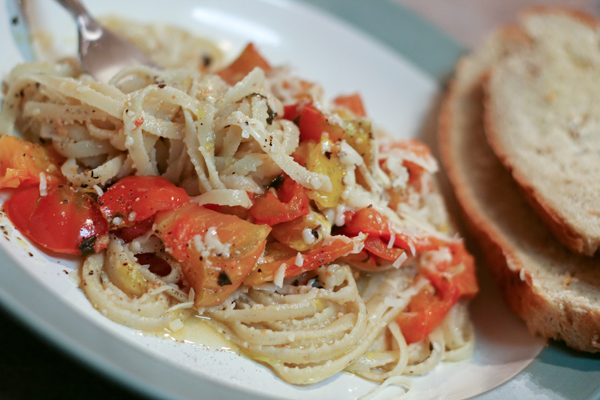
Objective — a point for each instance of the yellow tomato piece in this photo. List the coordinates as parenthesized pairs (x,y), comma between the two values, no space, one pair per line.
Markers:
(359,135)
(123,270)
(302,233)
(323,158)
(21,163)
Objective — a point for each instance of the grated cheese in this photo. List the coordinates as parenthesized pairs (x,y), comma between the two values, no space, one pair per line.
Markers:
(279,275)
(413,251)
(400,260)
(211,244)
(299,260)
(99,190)
(175,325)
(308,236)
(392,241)
(43,184)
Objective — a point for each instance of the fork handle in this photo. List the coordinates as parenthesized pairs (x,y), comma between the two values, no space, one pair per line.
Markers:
(79,12)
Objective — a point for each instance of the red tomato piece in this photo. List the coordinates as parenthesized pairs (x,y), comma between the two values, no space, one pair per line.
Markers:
(313,123)
(64,220)
(129,233)
(448,283)
(427,309)
(376,246)
(289,203)
(137,198)
(321,254)
(249,59)
(366,220)
(414,146)
(293,111)
(364,261)
(369,221)
(216,251)
(352,102)
(21,163)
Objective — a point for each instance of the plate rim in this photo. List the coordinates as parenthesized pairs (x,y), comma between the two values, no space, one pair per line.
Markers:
(438,62)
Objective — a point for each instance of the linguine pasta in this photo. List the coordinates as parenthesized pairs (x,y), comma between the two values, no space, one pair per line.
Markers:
(225,141)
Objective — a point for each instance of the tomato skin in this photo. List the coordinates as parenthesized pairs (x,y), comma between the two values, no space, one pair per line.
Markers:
(312,123)
(21,163)
(21,205)
(376,246)
(363,261)
(428,310)
(370,221)
(128,233)
(249,59)
(64,220)
(142,195)
(212,274)
(290,203)
(321,254)
(352,102)
(449,282)
(414,146)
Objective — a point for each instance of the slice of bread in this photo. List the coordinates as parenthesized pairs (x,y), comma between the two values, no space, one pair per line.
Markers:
(543,121)
(556,292)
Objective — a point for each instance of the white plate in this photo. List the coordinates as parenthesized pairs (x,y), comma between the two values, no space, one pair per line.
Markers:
(398,96)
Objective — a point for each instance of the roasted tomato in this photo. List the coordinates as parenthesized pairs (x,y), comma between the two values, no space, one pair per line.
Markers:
(449,281)
(137,198)
(369,221)
(312,123)
(65,220)
(352,103)
(278,254)
(216,251)
(376,246)
(302,233)
(136,230)
(22,162)
(249,59)
(284,202)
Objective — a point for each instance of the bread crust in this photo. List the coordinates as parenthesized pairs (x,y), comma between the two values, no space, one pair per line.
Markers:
(577,240)
(575,322)
(557,10)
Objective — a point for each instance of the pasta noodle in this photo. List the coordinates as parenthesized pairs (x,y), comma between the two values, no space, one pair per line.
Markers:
(373,251)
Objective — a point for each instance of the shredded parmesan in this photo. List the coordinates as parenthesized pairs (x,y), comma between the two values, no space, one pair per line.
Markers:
(43,184)
(211,244)
(307,236)
(413,251)
(299,260)
(279,275)
(400,260)
(175,325)
(98,190)
(392,240)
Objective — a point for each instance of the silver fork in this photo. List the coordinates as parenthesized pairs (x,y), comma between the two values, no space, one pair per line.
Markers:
(102,53)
